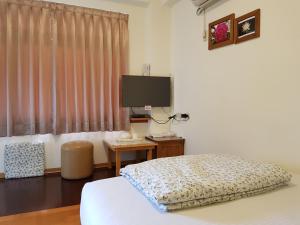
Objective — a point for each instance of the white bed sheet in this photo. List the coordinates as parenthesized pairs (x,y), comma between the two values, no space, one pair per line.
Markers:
(115,201)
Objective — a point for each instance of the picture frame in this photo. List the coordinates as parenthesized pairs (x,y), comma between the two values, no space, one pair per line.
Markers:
(221,32)
(247,27)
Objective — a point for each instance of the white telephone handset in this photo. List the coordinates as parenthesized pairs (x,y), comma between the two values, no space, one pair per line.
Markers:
(128,137)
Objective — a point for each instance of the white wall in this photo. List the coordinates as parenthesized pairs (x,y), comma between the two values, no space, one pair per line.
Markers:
(157,37)
(243,99)
(147,45)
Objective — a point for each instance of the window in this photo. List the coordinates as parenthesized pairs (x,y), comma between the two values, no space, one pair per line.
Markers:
(60,68)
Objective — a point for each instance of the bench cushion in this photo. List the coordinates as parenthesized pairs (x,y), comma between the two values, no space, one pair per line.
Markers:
(24,160)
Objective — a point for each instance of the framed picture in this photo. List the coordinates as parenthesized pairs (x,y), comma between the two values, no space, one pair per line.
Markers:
(247,26)
(221,32)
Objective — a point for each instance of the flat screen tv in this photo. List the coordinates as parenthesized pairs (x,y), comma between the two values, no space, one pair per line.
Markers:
(139,91)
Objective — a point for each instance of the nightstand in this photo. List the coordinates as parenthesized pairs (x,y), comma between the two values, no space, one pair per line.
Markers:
(168,146)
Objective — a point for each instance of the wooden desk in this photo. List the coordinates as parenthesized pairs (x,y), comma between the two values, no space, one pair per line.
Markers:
(119,147)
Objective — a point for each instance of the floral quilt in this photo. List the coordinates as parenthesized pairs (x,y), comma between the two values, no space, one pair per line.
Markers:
(197,180)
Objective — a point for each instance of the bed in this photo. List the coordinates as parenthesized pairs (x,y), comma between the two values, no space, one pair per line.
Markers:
(115,201)
(118,201)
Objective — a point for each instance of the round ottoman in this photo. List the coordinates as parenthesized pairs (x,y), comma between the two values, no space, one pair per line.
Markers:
(77,160)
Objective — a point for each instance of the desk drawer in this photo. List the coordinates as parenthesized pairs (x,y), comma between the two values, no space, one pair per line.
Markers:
(170,149)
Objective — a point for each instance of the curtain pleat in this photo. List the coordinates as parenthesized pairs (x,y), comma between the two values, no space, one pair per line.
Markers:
(60,68)
(4,109)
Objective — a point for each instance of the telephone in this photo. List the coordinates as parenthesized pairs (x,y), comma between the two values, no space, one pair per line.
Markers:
(129,137)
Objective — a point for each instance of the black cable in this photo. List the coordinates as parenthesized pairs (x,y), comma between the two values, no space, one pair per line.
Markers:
(165,122)
(161,122)
(173,117)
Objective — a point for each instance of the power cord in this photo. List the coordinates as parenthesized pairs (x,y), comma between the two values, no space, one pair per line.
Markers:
(160,122)
(178,117)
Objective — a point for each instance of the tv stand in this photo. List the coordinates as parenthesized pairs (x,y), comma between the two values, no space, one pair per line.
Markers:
(139,116)
(139,120)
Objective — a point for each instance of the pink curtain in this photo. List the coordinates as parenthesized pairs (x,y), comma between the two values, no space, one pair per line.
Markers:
(60,68)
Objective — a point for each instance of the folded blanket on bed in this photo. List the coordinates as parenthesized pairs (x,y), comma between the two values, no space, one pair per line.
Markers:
(197,180)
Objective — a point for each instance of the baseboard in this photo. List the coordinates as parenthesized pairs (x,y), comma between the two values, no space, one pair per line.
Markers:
(52,171)
(101,165)
(55,171)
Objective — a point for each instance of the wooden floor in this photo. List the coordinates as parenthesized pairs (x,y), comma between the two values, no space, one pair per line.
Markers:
(39,193)
(60,216)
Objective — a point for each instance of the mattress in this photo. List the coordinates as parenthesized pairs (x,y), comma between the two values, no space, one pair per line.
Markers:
(115,201)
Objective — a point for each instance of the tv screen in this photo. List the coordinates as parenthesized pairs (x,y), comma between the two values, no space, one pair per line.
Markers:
(139,91)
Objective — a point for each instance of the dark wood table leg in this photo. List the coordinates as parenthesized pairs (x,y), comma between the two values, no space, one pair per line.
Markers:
(149,154)
(118,163)
(109,158)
